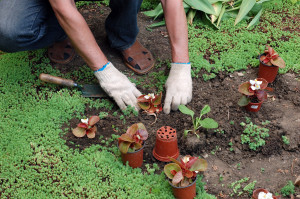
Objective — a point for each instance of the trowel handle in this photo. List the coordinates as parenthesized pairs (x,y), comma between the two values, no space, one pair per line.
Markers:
(57,80)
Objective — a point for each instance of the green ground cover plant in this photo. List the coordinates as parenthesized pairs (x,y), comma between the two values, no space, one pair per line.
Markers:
(34,154)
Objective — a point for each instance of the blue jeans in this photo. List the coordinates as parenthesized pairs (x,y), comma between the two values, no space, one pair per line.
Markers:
(31,24)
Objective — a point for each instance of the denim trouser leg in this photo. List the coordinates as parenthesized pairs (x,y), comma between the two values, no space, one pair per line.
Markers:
(121,24)
(28,25)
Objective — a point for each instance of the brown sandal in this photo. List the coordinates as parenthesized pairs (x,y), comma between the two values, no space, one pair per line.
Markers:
(138,58)
(61,52)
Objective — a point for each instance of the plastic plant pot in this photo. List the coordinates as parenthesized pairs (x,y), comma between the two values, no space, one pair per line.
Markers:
(187,192)
(267,72)
(134,159)
(253,107)
(166,144)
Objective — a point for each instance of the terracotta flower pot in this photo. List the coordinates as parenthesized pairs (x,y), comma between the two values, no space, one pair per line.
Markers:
(187,192)
(267,72)
(257,191)
(134,159)
(166,144)
(253,107)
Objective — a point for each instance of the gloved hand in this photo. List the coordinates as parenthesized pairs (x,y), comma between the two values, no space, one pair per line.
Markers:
(178,86)
(118,86)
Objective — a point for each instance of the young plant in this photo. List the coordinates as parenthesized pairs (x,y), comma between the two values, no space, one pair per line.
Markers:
(86,127)
(271,57)
(184,172)
(207,123)
(151,104)
(253,91)
(133,139)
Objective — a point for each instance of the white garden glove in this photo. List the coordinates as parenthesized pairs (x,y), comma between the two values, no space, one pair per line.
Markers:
(178,86)
(118,86)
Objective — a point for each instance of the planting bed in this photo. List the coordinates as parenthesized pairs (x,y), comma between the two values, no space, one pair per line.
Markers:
(229,161)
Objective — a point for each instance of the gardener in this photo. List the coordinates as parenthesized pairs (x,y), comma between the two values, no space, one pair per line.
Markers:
(32,24)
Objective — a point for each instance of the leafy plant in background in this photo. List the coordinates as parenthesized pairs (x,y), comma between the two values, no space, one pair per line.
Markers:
(253,91)
(207,123)
(133,139)
(86,127)
(288,189)
(216,10)
(270,57)
(151,104)
(184,172)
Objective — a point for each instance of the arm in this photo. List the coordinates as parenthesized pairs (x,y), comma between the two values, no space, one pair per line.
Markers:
(79,33)
(179,83)
(113,82)
(177,29)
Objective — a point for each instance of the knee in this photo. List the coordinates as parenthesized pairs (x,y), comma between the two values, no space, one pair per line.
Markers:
(8,36)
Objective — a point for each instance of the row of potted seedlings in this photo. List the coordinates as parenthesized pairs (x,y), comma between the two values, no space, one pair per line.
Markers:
(182,174)
(255,91)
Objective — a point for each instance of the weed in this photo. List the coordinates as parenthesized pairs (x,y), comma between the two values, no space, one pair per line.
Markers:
(288,189)
(250,187)
(238,185)
(254,136)
(238,166)
(285,140)
(219,131)
(262,170)
(231,122)
(103,115)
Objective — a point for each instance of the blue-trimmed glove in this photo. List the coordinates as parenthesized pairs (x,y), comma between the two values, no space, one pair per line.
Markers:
(118,86)
(178,86)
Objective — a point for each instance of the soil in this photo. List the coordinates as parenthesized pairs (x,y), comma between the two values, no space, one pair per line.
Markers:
(271,165)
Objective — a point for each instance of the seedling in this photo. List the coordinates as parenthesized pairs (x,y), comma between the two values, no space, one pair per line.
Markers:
(254,136)
(288,189)
(151,104)
(86,127)
(207,123)
(285,140)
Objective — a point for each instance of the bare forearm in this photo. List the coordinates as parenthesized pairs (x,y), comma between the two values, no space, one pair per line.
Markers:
(79,33)
(177,28)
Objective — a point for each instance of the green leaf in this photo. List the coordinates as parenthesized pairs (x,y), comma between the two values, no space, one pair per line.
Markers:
(190,16)
(255,20)
(158,11)
(202,5)
(246,6)
(144,105)
(161,23)
(185,110)
(199,165)
(123,147)
(169,167)
(209,123)
(185,133)
(244,101)
(205,110)
(217,7)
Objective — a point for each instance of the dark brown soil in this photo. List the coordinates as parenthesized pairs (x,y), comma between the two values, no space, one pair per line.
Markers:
(271,165)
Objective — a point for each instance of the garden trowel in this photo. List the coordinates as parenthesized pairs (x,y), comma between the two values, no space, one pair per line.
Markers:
(86,89)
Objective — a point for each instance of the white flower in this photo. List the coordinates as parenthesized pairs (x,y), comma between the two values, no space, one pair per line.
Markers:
(86,121)
(255,85)
(185,159)
(263,195)
(150,95)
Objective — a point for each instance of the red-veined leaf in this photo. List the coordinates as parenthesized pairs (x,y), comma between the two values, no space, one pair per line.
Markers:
(144,105)
(123,146)
(170,168)
(93,120)
(177,178)
(83,125)
(157,99)
(244,88)
(79,132)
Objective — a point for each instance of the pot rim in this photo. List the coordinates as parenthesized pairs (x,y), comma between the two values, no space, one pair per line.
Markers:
(263,62)
(185,186)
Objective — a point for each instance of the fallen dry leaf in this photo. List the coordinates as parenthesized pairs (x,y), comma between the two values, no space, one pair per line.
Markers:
(297,181)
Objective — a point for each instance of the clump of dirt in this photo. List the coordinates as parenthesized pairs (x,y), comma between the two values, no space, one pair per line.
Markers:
(272,165)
